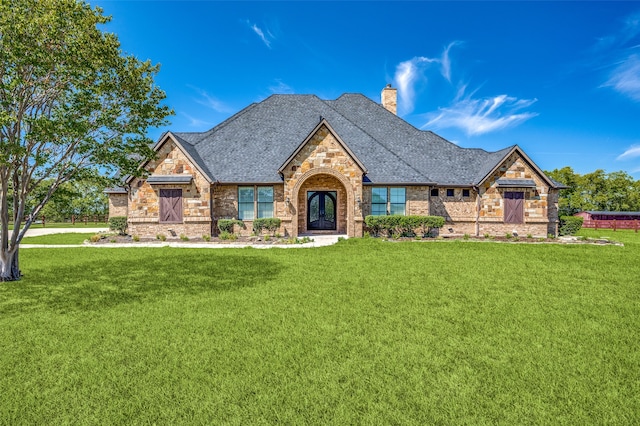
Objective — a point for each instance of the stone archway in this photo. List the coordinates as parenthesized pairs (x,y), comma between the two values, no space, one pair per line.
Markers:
(324,179)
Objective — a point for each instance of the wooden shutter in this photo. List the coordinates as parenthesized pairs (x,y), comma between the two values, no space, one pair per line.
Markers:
(514,207)
(171,205)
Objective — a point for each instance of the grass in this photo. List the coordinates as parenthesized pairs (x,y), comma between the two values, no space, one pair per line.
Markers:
(65,238)
(365,332)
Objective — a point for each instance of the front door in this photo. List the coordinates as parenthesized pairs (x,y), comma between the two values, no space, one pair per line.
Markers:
(321,210)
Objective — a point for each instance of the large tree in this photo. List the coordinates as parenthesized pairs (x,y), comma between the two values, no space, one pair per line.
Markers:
(70,102)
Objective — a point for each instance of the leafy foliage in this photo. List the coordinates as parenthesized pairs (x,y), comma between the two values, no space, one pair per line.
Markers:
(118,223)
(403,225)
(570,225)
(600,191)
(270,224)
(226,225)
(71,103)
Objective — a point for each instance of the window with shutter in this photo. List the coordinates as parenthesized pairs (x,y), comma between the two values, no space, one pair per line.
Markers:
(514,207)
(171,206)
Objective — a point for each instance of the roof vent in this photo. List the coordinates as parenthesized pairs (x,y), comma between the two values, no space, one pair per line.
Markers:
(390,99)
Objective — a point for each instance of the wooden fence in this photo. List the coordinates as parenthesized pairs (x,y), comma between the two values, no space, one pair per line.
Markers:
(612,224)
(77,219)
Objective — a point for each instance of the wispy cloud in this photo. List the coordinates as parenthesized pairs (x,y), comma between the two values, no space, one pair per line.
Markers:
(619,52)
(407,75)
(211,102)
(266,36)
(632,152)
(281,88)
(475,116)
(196,122)
(479,116)
(414,71)
(625,78)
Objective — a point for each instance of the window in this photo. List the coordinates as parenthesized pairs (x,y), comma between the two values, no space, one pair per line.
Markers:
(514,207)
(245,203)
(398,200)
(465,192)
(435,192)
(255,202)
(170,205)
(449,192)
(378,201)
(265,201)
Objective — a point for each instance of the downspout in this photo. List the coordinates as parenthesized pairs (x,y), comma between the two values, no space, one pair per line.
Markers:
(478,205)
(211,192)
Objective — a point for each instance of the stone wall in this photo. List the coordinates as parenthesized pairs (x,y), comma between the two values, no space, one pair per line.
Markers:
(144,208)
(323,154)
(118,204)
(323,182)
(225,206)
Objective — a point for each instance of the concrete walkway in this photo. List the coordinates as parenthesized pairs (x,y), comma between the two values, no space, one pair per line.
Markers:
(36,232)
(318,241)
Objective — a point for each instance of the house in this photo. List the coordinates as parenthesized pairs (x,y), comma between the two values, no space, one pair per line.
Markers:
(322,166)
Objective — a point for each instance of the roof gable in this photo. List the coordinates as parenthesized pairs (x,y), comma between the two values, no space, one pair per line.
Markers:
(343,145)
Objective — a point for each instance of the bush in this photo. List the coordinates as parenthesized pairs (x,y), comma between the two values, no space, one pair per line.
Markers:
(569,225)
(270,224)
(119,224)
(225,235)
(161,237)
(226,225)
(398,225)
(95,238)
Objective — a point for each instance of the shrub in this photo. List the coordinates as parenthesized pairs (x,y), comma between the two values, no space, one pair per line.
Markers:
(119,224)
(184,237)
(95,238)
(271,224)
(136,238)
(569,225)
(226,235)
(206,237)
(226,225)
(161,237)
(398,225)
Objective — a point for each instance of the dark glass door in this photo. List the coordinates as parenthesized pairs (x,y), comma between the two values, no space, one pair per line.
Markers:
(321,210)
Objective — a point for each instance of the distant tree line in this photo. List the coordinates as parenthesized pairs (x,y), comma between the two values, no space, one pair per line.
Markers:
(599,191)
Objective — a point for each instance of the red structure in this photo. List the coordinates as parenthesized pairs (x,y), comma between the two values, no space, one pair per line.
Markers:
(610,220)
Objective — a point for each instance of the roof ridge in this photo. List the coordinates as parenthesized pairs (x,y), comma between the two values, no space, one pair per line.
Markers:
(373,138)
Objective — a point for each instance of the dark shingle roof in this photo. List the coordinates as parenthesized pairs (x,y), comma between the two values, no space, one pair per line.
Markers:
(250,146)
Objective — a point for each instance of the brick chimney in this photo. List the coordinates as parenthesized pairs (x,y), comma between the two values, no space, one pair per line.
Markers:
(390,99)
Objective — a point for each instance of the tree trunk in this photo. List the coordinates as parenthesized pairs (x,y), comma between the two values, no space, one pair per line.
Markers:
(9,267)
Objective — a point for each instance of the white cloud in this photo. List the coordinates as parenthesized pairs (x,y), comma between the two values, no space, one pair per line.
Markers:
(407,75)
(625,78)
(632,152)
(619,52)
(196,122)
(478,116)
(211,102)
(266,38)
(446,61)
(281,88)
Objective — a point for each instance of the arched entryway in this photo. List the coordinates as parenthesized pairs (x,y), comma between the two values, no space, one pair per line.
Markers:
(324,203)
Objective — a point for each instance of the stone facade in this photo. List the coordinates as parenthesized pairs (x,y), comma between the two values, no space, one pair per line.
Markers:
(483,211)
(323,163)
(225,206)
(144,198)
(118,204)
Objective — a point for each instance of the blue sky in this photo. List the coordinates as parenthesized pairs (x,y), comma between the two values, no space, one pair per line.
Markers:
(560,79)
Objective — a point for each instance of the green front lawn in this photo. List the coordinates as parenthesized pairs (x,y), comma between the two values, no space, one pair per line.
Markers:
(64,238)
(364,332)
